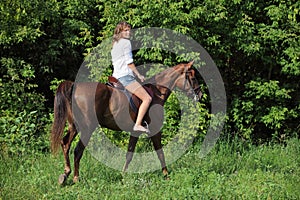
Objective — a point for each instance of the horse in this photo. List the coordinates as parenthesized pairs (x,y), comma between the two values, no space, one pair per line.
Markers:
(84,109)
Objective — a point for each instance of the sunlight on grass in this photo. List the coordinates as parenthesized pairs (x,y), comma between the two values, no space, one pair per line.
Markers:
(231,170)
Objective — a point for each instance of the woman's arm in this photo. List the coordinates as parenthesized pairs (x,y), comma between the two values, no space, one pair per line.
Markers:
(136,72)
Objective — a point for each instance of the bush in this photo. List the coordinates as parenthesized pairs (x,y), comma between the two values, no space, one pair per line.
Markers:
(23,121)
(262,109)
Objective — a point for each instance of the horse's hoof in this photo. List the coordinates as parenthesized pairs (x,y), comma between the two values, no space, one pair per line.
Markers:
(62,178)
(75,179)
(167,177)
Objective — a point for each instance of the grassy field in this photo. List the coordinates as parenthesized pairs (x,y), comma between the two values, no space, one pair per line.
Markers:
(230,171)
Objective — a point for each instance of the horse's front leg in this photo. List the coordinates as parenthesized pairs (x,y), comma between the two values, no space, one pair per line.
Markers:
(156,140)
(131,147)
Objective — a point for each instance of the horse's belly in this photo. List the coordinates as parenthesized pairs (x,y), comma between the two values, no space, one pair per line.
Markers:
(117,116)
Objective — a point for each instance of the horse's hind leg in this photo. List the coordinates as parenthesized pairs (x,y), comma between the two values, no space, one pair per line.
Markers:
(131,146)
(66,144)
(156,140)
(78,152)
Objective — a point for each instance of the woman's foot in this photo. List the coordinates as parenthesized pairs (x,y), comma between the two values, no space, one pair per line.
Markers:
(140,128)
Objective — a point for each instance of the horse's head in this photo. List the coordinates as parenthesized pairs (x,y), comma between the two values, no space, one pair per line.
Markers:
(188,82)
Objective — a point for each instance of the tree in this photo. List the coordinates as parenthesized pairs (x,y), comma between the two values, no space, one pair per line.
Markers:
(254,44)
(39,40)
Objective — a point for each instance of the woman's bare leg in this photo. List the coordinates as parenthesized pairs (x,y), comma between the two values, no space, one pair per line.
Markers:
(142,94)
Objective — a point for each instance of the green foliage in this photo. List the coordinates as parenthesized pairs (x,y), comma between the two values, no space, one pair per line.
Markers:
(185,120)
(262,107)
(39,40)
(54,85)
(264,70)
(23,121)
(255,44)
(248,41)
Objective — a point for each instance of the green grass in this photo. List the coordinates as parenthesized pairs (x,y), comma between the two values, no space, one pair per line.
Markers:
(229,171)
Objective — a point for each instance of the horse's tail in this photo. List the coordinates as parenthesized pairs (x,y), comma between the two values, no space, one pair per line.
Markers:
(62,109)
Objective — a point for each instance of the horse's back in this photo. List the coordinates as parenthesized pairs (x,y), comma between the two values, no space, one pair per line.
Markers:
(98,101)
(83,101)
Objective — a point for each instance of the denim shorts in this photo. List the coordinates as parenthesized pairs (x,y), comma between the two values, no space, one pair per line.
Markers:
(126,80)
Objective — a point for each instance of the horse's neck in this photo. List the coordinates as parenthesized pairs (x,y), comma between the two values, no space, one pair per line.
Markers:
(167,78)
(165,82)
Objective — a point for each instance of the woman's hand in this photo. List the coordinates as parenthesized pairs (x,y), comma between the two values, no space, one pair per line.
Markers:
(141,77)
(136,72)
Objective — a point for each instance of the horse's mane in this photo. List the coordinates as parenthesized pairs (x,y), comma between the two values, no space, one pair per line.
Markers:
(152,80)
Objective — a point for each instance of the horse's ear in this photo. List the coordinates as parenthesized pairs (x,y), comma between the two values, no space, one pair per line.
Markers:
(190,64)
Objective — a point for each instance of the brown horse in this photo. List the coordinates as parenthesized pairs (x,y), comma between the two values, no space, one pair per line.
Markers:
(86,105)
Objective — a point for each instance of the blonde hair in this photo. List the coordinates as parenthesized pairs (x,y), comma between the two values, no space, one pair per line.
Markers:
(121,26)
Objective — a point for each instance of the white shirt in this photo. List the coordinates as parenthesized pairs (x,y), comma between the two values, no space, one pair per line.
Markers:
(121,55)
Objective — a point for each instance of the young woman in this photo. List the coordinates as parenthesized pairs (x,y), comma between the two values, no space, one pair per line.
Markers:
(124,71)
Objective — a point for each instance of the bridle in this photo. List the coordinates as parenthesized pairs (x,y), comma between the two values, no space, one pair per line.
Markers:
(196,90)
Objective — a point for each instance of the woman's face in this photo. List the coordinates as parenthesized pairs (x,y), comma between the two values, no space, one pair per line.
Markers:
(126,33)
